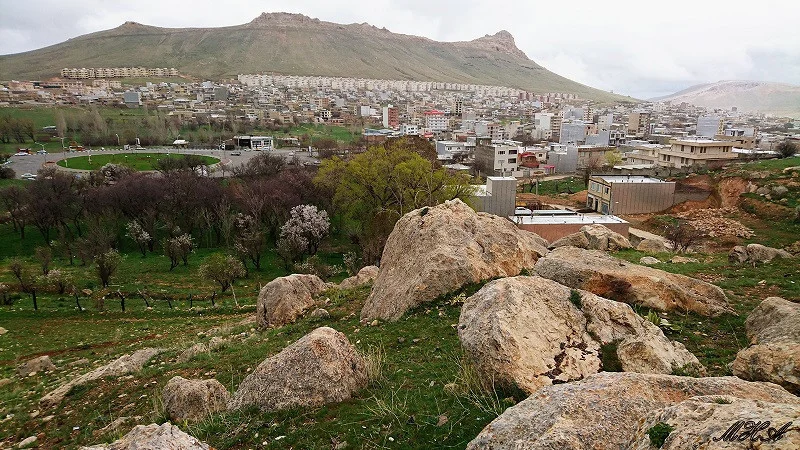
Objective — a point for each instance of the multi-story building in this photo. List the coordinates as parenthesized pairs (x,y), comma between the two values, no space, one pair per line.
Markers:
(409,130)
(696,152)
(639,123)
(709,126)
(435,120)
(498,157)
(390,117)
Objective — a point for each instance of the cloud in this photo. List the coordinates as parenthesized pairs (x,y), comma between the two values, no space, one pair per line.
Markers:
(630,47)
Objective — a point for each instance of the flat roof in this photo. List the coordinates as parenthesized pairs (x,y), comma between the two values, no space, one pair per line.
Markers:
(585,219)
(628,179)
(501,178)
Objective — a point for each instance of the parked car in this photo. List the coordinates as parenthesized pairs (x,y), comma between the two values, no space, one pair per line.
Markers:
(42,152)
(28,176)
(21,154)
(236,153)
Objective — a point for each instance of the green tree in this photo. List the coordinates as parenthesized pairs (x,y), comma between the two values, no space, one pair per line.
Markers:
(786,149)
(222,269)
(106,264)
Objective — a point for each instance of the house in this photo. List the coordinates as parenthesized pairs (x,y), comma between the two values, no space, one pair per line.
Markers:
(435,120)
(697,153)
(498,157)
(629,194)
(553,224)
(498,196)
(254,142)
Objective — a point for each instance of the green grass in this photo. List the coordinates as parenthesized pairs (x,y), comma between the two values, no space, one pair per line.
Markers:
(137,161)
(341,134)
(569,185)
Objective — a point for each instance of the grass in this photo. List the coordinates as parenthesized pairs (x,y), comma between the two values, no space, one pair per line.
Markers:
(137,161)
(341,134)
(569,185)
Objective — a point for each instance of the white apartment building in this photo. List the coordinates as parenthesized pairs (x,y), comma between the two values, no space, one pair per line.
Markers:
(435,120)
(697,152)
(409,130)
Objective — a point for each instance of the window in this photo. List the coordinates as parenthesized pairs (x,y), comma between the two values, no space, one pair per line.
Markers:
(512,152)
(512,160)
(501,152)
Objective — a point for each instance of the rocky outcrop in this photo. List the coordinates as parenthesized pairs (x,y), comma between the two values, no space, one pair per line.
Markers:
(613,278)
(652,246)
(123,365)
(191,352)
(152,437)
(284,299)
(437,250)
(774,331)
(594,237)
(648,260)
(756,253)
(705,421)
(40,364)
(364,276)
(194,399)
(530,332)
(320,368)
(606,409)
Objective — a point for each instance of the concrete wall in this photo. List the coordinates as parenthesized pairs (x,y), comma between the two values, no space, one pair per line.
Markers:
(501,196)
(641,198)
(555,231)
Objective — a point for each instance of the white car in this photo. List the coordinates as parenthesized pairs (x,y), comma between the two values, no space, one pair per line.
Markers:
(21,154)
(42,152)
(28,176)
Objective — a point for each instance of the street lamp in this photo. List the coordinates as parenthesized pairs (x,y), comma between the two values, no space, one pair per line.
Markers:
(62,143)
(117,140)
(44,153)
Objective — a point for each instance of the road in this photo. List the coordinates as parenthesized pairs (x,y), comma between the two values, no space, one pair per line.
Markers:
(32,163)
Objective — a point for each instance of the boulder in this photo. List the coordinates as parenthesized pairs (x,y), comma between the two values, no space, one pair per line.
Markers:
(779,191)
(737,255)
(774,331)
(40,364)
(5,381)
(154,437)
(677,259)
(652,246)
(284,299)
(437,250)
(320,314)
(27,442)
(530,332)
(648,260)
(194,399)
(3,331)
(703,421)
(123,365)
(321,367)
(364,276)
(605,410)
(594,237)
(761,253)
(613,278)
(192,351)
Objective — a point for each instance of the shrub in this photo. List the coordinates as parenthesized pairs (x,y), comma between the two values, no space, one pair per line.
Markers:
(658,434)
(575,298)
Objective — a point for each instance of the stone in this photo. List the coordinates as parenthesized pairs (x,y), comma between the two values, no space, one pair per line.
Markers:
(78,362)
(779,191)
(320,314)
(284,299)
(605,410)
(216,343)
(615,279)
(763,190)
(437,250)
(123,365)
(594,237)
(320,368)
(154,437)
(700,422)
(529,332)
(737,255)
(40,364)
(5,382)
(760,253)
(652,246)
(648,260)
(27,442)
(571,240)
(194,399)
(774,331)
(364,276)
(191,352)
(3,331)
(677,259)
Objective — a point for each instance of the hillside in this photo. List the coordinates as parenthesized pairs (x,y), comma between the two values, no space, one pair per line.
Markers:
(752,96)
(298,45)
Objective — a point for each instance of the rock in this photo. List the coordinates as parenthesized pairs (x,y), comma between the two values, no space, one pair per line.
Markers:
(154,437)
(78,362)
(437,250)
(524,333)
(594,237)
(737,255)
(40,364)
(364,276)
(779,191)
(123,365)
(284,299)
(700,422)
(5,381)
(3,331)
(761,253)
(682,260)
(613,278)
(652,246)
(774,331)
(194,399)
(794,247)
(648,260)
(27,442)
(605,410)
(191,352)
(321,367)
(763,190)
(320,314)
(530,332)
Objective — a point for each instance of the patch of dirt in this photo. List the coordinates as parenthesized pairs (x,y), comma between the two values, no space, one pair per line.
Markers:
(714,223)
(730,191)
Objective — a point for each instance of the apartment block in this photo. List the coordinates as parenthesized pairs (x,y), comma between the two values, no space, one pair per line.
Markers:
(697,152)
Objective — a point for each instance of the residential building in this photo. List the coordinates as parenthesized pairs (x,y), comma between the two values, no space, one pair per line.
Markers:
(498,157)
(390,117)
(639,123)
(409,130)
(435,120)
(497,196)
(709,126)
(629,194)
(573,131)
(451,150)
(697,152)
(132,99)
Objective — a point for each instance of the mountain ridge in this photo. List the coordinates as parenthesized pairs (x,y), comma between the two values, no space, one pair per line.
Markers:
(295,44)
(747,95)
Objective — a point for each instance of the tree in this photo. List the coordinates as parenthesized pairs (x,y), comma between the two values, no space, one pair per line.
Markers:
(141,237)
(262,165)
(308,223)
(106,265)
(44,255)
(27,278)
(594,164)
(60,280)
(222,269)
(250,240)
(613,158)
(786,149)
(682,236)
(178,249)
(15,199)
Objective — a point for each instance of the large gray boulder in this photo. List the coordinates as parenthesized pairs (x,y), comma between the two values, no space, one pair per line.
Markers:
(616,279)
(320,368)
(530,332)
(284,299)
(154,437)
(594,237)
(774,331)
(123,365)
(39,364)
(756,253)
(437,250)
(652,246)
(702,422)
(364,276)
(189,400)
(605,410)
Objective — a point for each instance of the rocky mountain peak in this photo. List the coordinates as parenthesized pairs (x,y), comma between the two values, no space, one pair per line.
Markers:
(502,42)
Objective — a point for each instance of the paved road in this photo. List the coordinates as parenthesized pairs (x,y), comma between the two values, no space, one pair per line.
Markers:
(32,163)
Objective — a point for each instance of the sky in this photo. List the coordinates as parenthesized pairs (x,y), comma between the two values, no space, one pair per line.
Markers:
(640,48)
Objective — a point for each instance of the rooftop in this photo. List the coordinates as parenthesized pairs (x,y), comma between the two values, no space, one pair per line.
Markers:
(628,179)
(585,219)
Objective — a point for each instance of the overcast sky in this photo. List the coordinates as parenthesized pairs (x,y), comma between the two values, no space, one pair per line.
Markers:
(640,48)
